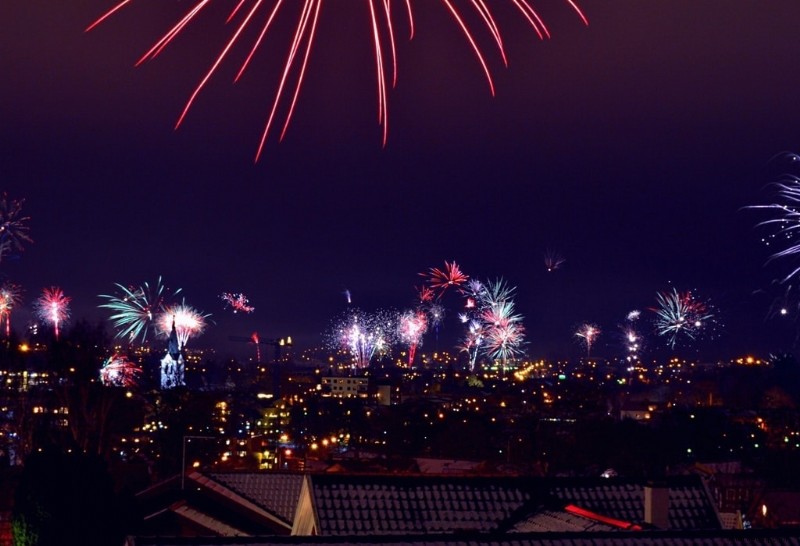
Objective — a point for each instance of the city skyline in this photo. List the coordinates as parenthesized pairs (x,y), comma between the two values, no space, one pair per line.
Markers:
(629,147)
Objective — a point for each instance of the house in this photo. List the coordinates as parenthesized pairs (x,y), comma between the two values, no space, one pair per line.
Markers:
(221,504)
(638,411)
(348,505)
(339,505)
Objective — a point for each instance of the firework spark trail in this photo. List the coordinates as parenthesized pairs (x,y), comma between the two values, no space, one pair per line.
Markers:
(10,297)
(783,224)
(500,314)
(13,228)
(496,292)
(118,371)
(504,341)
(504,333)
(411,327)
(436,314)
(553,260)
(238,302)
(633,315)
(495,304)
(785,297)
(442,279)
(258,40)
(298,37)
(680,314)
(255,339)
(364,334)
(188,322)
(588,334)
(425,294)
(472,42)
(631,338)
(382,30)
(159,46)
(494,328)
(633,343)
(135,309)
(475,291)
(108,14)
(383,114)
(53,307)
(473,342)
(786,217)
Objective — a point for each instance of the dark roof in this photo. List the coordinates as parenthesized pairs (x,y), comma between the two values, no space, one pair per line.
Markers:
(645,538)
(690,505)
(274,492)
(201,519)
(375,505)
(383,505)
(547,521)
(356,505)
(226,504)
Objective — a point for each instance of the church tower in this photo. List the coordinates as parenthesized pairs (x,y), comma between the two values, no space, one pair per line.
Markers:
(172,365)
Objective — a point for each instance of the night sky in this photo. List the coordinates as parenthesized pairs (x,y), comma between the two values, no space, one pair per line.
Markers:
(629,146)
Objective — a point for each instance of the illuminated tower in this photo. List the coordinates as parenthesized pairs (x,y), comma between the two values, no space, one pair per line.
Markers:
(172,365)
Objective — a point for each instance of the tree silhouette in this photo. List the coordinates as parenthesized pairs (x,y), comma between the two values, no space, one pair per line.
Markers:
(67,498)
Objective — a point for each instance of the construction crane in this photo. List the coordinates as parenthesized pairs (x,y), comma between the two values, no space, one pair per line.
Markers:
(278,344)
(258,341)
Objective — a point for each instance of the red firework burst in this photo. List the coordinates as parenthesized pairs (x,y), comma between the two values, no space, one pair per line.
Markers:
(442,279)
(53,307)
(382,31)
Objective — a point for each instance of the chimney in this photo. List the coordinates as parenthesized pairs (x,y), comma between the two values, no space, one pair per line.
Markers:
(656,505)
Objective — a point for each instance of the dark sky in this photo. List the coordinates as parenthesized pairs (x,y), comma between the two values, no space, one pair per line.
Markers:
(629,146)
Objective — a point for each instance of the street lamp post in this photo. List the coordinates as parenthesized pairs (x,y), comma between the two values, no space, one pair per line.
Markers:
(183,456)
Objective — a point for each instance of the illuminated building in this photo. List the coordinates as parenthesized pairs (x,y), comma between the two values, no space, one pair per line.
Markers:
(345,386)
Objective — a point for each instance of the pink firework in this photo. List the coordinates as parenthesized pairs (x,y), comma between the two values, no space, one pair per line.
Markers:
(118,371)
(262,14)
(505,341)
(588,333)
(425,294)
(500,314)
(411,327)
(363,334)
(473,341)
(10,297)
(238,302)
(442,279)
(553,260)
(188,322)
(681,314)
(53,306)
(503,332)
(474,292)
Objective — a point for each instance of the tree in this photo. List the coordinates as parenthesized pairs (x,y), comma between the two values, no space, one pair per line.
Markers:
(67,498)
